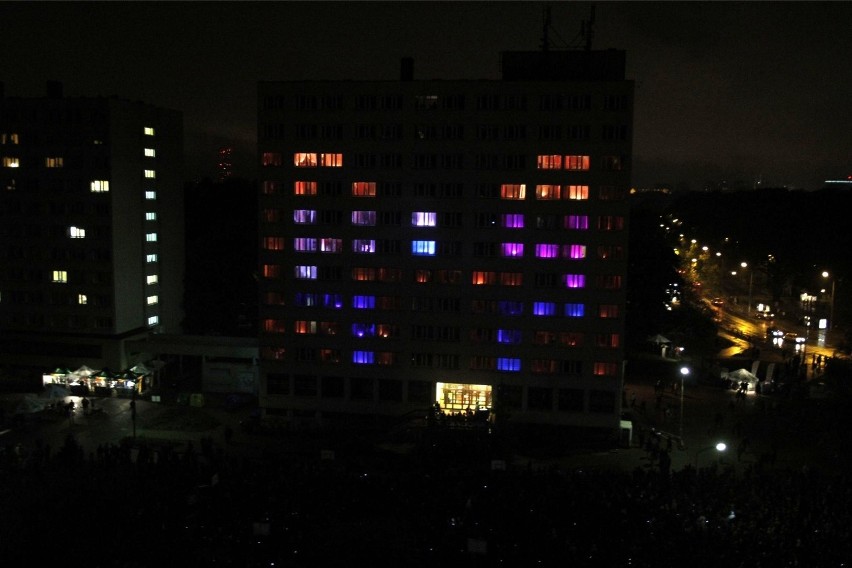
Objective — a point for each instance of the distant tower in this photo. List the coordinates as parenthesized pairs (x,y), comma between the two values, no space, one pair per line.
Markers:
(224,167)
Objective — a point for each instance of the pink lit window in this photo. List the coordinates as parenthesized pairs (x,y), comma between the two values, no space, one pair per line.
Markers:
(364,188)
(512,220)
(577,222)
(574,280)
(578,192)
(512,249)
(547,192)
(577,163)
(304,188)
(513,191)
(575,252)
(305,159)
(331,160)
(549,162)
(546,251)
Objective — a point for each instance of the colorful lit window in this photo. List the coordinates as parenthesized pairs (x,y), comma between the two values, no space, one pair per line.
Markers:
(367,218)
(605,369)
(510,364)
(547,192)
(510,308)
(422,276)
(483,277)
(304,188)
(273,243)
(331,245)
(574,280)
(364,302)
(364,246)
(363,330)
(608,311)
(304,244)
(544,250)
(423,248)
(513,191)
(578,192)
(512,220)
(363,274)
(544,308)
(575,310)
(509,336)
(363,357)
(99,186)
(512,249)
(577,222)
(575,252)
(304,216)
(424,218)
(331,160)
(549,162)
(305,272)
(305,327)
(511,279)
(364,189)
(577,163)
(305,299)
(571,339)
(607,340)
(304,159)
(333,301)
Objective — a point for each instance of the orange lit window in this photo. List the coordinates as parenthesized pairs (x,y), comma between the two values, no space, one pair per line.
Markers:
(273,243)
(607,340)
(571,339)
(483,277)
(304,188)
(272,159)
(511,278)
(364,188)
(577,162)
(549,162)
(303,327)
(604,369)
(422,276)
(271,270)
(305,159)
(364,274)
(579,192)
(608,311)
(331,160)
(545,192)
(513,191)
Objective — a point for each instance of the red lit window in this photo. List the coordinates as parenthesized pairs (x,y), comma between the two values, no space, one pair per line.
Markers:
(577,163)
(304,188)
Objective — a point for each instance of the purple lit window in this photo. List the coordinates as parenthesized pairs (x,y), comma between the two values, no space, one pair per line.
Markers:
(306,272)
(575,251)
(423,218)
(364,246)
(512,220)
(364,218)
(578,222)
(512,249)
(575,310)
(508,364)
(546,251)
(574,280)
(363,357)
(334,301)
(303,244)
(304,216)
(510,336)
(363,330)
(364,302)
(331,245)
(544,309)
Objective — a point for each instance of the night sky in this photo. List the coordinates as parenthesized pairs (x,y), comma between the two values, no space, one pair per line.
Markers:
(725,91)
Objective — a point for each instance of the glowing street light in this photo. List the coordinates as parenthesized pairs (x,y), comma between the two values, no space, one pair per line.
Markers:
(719,447)
(750,282)
(825,274)
(684,371)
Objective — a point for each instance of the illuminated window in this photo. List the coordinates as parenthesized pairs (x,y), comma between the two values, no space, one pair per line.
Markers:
(578,192)
(331,300)
(512,249)
(305,327)
(483,277)
(150,174)
(549,162)
(150,216)
(273,326)
(422,276)
(53,162)
(608,311)
(151,300)
(305,299)
(272,271)
(610,223)
(607,340)
(150,153)
(575,310)
(150,258)
(304,188)
(331,160)
(543,366)
(364,302)
(423,218)
(423,248)
(512,220)
(99,186)
(605,369)
(148,131)
(273,243)
(153,320)
(364,189)
(304,216)
(575,252)
(544,308)
(547,192)
(82,299)
(511,279)
(364,246)
(151,195)
(60,276)
(511,364)
(331,245)
(10,162)
(546,250)
(513,191)
(609,281)
(304,244)
(577,163)
(509,336)
(574,280)
(363,330)
(510,308)
(151,279)
(363,274)
(367,218)
(577,222)
(151,237)
(305,160)
(304,272)
(571,339)
(363,357)
(8,138)
(76,233)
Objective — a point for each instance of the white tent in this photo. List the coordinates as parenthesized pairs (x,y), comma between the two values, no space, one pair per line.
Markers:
(741,375)
(658,339)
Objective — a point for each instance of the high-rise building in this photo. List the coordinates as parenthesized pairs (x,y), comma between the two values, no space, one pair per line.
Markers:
(460,242)
(91,228)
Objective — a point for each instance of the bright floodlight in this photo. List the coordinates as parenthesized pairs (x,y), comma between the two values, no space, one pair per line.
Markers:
(721,447)
(684,371)
(825,274)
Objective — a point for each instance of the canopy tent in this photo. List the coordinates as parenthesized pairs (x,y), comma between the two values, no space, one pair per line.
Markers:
(658,339)
(741,375)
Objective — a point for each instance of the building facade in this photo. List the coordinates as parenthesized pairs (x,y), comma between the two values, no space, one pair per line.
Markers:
(447,241)
(91,203)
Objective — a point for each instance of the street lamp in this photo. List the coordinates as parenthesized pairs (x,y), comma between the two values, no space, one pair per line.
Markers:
(719,447)
(750,282)
(825,274)
(684,371)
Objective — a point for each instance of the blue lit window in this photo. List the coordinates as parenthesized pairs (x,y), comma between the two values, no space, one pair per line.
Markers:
(509,308)
(424,218)
(366,246)
(544,308)
(334,301)
(305,299)
(511,336)
(304,272)
(508,364)
(364,302)
(363,357)
(574,280)
(304,216)
(575,310)
(363,330)
(423,248)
